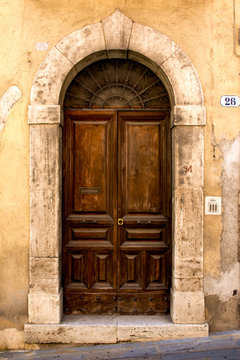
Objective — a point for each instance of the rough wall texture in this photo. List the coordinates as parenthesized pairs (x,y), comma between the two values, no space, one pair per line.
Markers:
(222,292)
(204,30)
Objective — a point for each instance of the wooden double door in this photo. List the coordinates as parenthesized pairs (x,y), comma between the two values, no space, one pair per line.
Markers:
(116,212)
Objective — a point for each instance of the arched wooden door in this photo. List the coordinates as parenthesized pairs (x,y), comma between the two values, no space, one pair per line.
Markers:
(116,211)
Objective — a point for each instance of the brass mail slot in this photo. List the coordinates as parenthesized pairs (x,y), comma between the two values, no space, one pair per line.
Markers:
(90,190)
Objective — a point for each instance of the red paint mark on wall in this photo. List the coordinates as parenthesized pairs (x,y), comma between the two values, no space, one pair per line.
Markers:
(187,169)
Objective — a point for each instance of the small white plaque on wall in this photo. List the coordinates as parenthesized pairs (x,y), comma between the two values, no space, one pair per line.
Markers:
(213,205)
(41,46)
(230,101)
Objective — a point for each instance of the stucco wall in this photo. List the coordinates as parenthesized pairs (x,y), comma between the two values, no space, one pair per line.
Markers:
(205,31)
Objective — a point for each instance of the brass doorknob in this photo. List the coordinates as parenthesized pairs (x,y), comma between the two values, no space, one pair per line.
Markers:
(120,221)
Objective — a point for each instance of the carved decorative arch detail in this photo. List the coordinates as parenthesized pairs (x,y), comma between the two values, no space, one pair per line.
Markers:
(117,83)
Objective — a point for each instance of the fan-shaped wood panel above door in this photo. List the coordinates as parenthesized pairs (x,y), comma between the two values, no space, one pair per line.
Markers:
(117,83)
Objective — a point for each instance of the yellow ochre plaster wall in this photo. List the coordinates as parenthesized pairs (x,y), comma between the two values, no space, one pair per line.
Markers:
(207,33)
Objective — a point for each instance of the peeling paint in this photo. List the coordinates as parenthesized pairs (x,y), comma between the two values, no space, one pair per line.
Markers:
(222,292)
(222,316)
(230,181)
(224,285)
(9,98)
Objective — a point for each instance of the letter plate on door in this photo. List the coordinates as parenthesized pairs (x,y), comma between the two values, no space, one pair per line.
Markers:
(90,190)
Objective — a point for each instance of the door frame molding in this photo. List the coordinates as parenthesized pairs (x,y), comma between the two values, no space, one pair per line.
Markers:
(116,36)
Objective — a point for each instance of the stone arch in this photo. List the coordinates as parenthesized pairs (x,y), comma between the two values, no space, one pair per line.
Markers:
(115,36)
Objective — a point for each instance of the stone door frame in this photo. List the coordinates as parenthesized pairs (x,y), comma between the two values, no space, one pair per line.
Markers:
(116,36)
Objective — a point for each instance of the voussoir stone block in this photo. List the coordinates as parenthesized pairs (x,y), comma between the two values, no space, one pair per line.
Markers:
(49,78)
(45,156)
(189,115)
(188,223)
(151,43)
(183,78)
(187,307)
(188,156)
(45,217)
(117,29)
(45,308)
(44,114)
(82,43)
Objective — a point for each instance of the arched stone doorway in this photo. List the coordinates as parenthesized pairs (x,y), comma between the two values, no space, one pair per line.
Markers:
(116,36)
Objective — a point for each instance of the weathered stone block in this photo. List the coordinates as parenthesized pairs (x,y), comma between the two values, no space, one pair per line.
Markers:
(187,307)
(44,267)
(82,43)
(49,78)
(117,30)
(189,115)
(150,328)
(183,78)
(45,230)
(85,330)
(44,285)
(45,308)
(188,224)
(151,43)
(188,153)
(45,156)
(187,268)
(190,284)
(44,114)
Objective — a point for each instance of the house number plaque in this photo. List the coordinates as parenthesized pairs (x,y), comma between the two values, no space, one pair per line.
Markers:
(90,190)
(230,101)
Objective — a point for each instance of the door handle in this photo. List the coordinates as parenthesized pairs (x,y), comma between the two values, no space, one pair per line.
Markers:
(120,221)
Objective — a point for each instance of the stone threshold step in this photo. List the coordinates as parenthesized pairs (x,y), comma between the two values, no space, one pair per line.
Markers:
(101,329)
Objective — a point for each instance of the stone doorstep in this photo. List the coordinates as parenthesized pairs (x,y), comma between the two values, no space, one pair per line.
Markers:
(102,329)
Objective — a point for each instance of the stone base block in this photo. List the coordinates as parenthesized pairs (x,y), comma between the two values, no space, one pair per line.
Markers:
(44,308)
(74,329)
(149,328)
(187,307)
(110,329)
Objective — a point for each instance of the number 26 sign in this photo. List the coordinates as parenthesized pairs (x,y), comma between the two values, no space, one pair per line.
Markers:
(230,101)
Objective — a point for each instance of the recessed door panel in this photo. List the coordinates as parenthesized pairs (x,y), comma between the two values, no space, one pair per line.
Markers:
(90,166)
(141,165)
